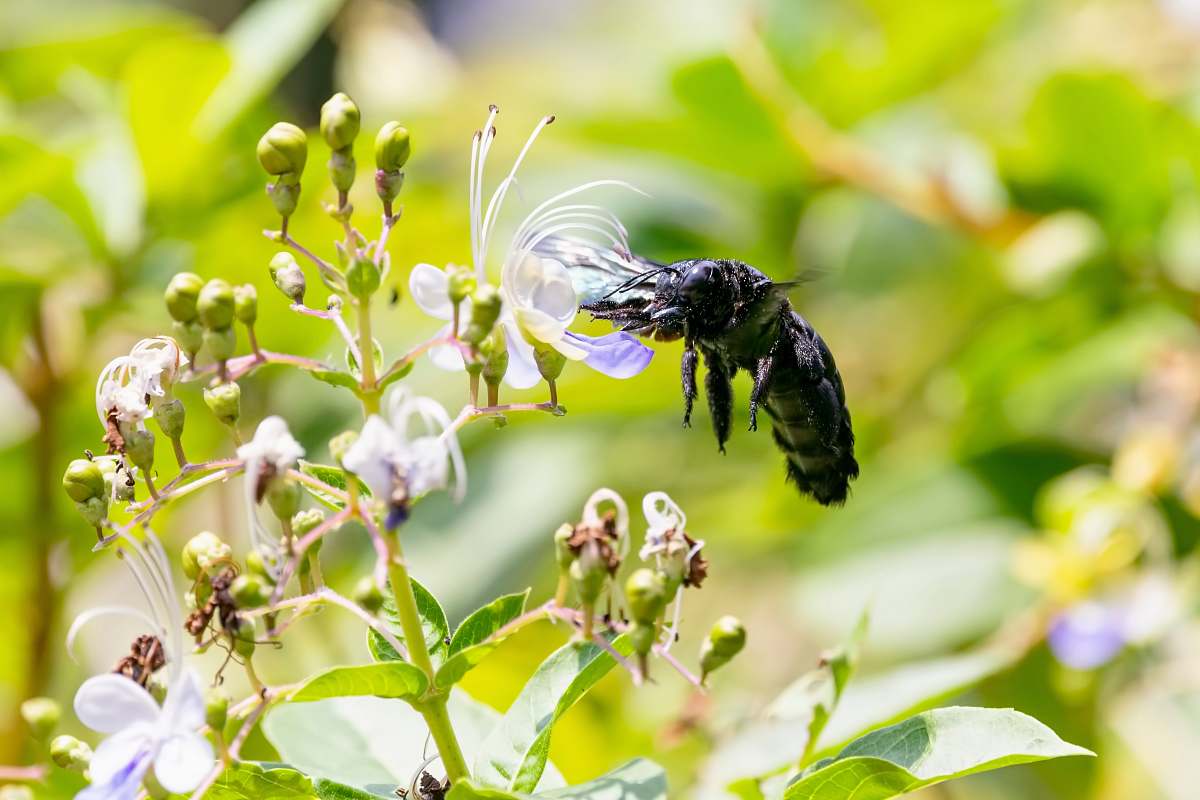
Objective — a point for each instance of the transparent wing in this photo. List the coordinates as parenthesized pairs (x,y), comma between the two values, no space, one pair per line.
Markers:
(596,270)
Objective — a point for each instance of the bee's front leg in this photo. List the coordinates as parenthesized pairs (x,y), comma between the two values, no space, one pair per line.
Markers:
(762,379)
(688,377)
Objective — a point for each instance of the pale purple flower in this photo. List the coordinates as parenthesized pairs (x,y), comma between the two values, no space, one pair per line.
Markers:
(1086,635)
(273,450)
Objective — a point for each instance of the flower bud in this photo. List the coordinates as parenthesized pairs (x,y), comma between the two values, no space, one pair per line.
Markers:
(216,709)
(285,196)
(190,336)
(84,480)
(170,416)
(245,304)
(642,636)
(256,565)
(288,277)
(340,445)
(562,553)
(485,310)
(139,446)
(589,576)
(725,640)
(203,552)
(462,282)
(70,753)
(549,361)
(342,171)
(248,591)
(340,121)
(41,714)
(494,351)
(646,595)
(244,637)
(216,304)
(121,487)
(283,495)
(368,595)
(392,147)
(283,149)
(225,401)
(221,343)
(94,510)
(306,521)
(182,294)
(362,278)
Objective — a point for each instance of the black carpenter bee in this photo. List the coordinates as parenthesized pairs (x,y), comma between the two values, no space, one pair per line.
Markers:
(736,318)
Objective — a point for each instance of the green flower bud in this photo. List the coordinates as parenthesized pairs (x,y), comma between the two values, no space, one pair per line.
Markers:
(221,343)
(170,416)
(70,753)
(94,510)
(285,196)
(342,170)
(182,294)
(41,714)
(494,351)
(485,310)
(368,595)
(245,304)
(225,401)
(563,554)
(256,565)
(190,336)
(139,446)
(362,278)
(283,495)
(216,709)
(642,636)
(83,480)
(549,361)
(283,149)
(244,637)
(341,444)
(203,552)
(216,304)
(392,147)
(288,277)
(340,120)
(462,283)
(248,591)
(725,640)
(157,687)
(589,575)
(306,521)
(646,595)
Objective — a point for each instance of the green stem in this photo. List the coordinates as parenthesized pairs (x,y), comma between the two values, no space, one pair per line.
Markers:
(432,709)
(366,352)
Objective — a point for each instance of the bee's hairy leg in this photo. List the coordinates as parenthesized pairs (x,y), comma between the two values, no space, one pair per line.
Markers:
(762,379)
(718,386)
(687,372)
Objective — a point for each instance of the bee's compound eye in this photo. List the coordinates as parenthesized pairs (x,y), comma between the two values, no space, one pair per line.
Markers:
(699,279)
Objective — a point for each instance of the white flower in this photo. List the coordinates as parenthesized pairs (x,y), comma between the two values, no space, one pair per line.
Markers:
(128,385)
(592,518)
(539,298)
(272,451)
(430,289)
(140,734)
(388,454)
(667,544)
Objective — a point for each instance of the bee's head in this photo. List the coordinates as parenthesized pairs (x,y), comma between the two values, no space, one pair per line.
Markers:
(699,282)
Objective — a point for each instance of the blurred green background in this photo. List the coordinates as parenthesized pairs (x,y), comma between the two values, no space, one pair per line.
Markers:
(1001,198)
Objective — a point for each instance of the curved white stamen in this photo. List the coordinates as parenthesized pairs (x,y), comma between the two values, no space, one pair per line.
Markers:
(591,516)
(606,219)
(481,144)
(494,205)
(566,226)
(104,611)
(147,561)
(583,187)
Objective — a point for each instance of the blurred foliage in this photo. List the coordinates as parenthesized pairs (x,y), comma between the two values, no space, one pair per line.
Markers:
(1001,199)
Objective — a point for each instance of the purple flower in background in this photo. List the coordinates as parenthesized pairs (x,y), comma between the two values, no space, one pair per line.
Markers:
(1087,635)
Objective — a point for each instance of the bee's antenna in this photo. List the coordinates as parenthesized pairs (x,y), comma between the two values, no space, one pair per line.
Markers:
(640,278)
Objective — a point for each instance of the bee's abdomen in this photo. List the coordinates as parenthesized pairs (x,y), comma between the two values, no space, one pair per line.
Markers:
(810,421)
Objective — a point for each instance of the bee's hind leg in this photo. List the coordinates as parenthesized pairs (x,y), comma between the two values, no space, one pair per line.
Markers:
(718,386)
(762,379)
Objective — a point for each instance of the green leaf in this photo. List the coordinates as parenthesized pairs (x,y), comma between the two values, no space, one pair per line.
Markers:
(477,637)
(514,756)
(395,375)
(263,44)
(433,623)
(394,679)
(335,477)
(930,748)
(640,779)
(336,377)
(249,781)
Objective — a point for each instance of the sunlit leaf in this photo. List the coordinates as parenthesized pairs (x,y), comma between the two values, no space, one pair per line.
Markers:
(391,679)
(638,780)
(477,637)
(433,623)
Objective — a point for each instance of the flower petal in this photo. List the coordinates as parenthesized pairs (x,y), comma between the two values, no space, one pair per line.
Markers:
(109,703)
(617,355)
(372,458)
(446,356)
(430,288)
(183,710)
(182,762)
(522,369)
(121,753)
(539,325)
(1086,636)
